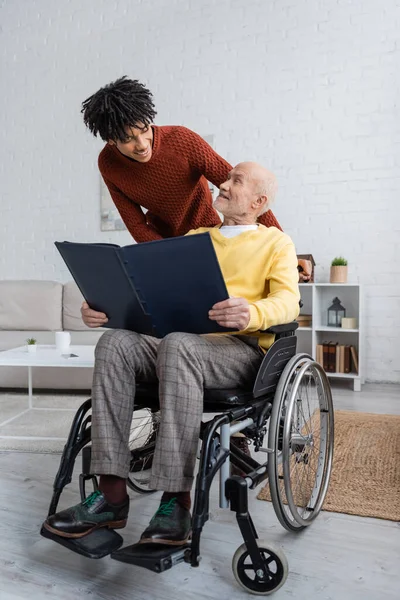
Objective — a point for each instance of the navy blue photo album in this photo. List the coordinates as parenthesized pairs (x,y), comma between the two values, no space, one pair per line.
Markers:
(153,288)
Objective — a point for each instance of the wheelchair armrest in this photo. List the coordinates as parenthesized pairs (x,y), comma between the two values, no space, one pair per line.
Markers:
(279,329)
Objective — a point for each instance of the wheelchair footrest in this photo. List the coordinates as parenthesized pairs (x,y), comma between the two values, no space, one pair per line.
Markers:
(98,544)
(155,557)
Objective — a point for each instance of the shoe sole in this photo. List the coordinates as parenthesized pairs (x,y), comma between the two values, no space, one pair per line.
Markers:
(109,525)
(165,542)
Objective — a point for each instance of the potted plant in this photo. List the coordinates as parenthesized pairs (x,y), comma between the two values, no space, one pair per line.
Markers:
(32,345)
(338,270)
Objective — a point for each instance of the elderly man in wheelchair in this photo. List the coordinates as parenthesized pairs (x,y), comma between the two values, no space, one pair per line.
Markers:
(251,375)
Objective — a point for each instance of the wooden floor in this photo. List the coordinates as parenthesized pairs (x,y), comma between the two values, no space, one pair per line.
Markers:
(339,557)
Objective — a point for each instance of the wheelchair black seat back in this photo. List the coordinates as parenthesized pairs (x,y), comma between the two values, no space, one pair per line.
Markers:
(287,417)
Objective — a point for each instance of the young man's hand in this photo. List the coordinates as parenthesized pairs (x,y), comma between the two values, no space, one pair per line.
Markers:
(233,313)
(92,318)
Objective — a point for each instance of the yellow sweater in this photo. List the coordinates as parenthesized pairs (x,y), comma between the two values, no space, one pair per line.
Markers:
(261,266)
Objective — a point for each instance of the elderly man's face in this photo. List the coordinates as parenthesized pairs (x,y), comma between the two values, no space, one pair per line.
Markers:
(238,192)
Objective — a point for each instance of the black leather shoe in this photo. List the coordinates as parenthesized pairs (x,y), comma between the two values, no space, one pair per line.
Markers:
(170,525)
(91,514)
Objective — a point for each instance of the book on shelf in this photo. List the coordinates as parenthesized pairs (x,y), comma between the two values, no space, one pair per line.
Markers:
(325,355)
(341,358)
(347,359)
(337,358)
(337,365)
(304,320)
(354,358)
(320,355)
(332,357)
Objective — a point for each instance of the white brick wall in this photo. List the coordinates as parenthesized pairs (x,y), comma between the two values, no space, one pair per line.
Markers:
(308,88)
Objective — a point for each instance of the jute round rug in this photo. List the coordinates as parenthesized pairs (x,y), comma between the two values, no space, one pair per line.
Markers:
(365,477)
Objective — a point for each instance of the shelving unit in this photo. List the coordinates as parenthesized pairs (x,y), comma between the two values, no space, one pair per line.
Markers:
(317,297)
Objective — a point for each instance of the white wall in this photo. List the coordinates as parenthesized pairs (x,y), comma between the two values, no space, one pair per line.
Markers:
(308,88)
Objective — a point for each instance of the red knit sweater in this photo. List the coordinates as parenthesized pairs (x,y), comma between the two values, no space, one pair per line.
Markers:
(172,185)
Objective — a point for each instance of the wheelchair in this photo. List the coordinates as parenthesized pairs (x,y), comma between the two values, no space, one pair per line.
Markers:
(287,418)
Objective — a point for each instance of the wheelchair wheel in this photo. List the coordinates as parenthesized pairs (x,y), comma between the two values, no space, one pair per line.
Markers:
(142,441)
(256,581)
(301,435)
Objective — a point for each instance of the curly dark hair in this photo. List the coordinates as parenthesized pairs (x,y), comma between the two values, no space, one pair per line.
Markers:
(120,104)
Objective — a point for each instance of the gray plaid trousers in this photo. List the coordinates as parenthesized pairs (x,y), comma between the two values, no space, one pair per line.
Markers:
(184,364)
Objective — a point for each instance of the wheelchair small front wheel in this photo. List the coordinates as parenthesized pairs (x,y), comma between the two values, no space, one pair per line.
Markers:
(260,582)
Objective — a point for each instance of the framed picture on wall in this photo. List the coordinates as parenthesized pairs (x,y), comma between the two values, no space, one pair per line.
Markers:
(110,219)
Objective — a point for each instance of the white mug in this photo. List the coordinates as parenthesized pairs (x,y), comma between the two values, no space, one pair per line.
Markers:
(63,340)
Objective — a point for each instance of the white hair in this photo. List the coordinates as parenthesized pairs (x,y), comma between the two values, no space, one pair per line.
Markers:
(268,187)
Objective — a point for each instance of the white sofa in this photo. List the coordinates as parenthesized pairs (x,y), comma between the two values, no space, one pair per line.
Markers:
(38,309)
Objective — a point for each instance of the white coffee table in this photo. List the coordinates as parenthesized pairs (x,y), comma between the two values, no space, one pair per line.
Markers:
(47,356)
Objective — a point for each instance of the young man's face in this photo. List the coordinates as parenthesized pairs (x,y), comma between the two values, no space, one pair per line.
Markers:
(138,143)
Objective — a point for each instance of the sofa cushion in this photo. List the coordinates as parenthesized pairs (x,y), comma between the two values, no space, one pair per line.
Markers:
(72,302)
(30,305)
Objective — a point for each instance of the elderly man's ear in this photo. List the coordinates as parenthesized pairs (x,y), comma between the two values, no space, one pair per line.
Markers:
(261,202)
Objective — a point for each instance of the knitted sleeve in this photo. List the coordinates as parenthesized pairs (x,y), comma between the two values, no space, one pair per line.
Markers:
(282,303)
(203,158)
(269,220)
(132,215)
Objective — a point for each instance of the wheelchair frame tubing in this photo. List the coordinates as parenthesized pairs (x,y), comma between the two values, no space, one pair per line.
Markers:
(203,482)
(86,475)
(236,490)
(79,436)
(209,466)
